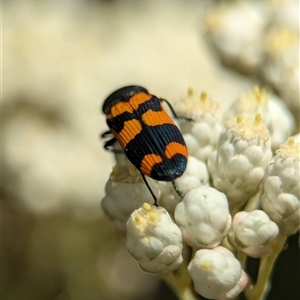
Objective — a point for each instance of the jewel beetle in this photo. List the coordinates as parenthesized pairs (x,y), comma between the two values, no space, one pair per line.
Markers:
(146,133)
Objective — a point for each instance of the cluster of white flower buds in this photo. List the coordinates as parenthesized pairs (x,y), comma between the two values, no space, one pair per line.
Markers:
(270,49)
(237,165)
(281,197)
(230,168)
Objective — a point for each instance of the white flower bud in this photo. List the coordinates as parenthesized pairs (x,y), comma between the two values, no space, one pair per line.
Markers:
(125,191)
(249,105)
(226,26)
(203,217)
(195,175)
(154,240)
(275,114)
(169,198)
(201,135)
(252,233)
(283,122)
(285,12)
(281,66)
(281,197)
(217,274)
(237,166)
(297,138)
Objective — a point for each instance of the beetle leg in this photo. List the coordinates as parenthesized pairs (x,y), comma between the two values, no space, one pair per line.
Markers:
(109,146)
(176,190)
(105,134)
(174,113)
(150,190)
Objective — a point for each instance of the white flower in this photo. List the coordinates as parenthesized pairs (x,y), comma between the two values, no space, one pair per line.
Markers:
(195,175)
(237,166)
(281,66)
(283,122)
(203,217)
(290,89)
(201,135)
(281,198)
(249,105)
(297,138)
(47,169)
(252,232)
(125,191)
(169,198)
(274,113)
(154,240)
(226,26)
(285,12)
(217,274)
(120,157)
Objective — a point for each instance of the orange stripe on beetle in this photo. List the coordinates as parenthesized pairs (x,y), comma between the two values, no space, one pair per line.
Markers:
(120,108)
(175,148)
(130,130)
(139,98)
(148,162)
(153,118)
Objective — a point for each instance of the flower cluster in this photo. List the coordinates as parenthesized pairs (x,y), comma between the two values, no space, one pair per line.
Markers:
(270,49)
(206,235)
(281,196)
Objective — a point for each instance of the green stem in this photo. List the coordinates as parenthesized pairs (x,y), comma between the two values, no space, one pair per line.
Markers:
(242,258)
(253,202)
(186,293)
(234,210)
(257,291)
(180,285)
(180,280)
(227,245)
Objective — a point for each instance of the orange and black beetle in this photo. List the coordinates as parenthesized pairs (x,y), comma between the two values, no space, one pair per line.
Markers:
(148,136)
